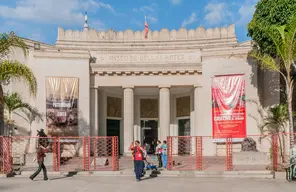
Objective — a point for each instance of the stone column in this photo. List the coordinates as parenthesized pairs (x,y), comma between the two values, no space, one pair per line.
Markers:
(102,113)
(94,115)
(197,119)
(164,113)
(128,118)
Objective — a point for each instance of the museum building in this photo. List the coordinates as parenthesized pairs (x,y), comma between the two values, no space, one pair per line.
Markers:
(123,84)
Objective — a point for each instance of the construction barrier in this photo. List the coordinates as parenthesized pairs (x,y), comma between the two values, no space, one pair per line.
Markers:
(198,153)
(207,154)
(68,154)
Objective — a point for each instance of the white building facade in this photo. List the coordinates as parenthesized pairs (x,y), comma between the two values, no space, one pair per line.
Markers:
(145,89)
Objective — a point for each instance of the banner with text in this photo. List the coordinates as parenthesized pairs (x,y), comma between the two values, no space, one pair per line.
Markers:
(62,106)
(228,108)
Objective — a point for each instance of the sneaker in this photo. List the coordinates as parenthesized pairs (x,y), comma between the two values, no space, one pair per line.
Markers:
(46,179)
(31,178)
(138,180)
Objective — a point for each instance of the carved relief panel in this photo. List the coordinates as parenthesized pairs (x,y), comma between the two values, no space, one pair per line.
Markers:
(113,107)
(148,108)
(183,106)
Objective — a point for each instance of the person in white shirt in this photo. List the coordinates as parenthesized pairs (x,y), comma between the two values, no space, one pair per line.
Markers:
(158,153)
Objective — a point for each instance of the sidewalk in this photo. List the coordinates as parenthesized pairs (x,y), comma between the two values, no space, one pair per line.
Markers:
(128,184)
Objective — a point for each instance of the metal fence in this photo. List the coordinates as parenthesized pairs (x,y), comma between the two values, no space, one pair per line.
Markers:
(65,153)
(205,154)
(198,153)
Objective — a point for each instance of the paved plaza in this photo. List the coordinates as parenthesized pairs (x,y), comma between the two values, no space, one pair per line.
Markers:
(128,184)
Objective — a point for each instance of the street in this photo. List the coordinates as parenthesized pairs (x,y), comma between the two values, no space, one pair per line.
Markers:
(128,184)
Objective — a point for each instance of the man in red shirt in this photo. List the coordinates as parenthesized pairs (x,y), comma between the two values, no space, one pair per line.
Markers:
(138,156)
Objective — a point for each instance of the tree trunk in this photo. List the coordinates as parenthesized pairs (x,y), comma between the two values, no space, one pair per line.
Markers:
(1,111)
(290,111)
(281,149)
(284,147)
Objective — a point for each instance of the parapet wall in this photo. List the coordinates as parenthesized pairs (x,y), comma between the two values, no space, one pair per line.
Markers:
(162,35)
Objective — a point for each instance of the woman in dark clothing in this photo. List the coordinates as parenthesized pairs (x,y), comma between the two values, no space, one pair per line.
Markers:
(41,150)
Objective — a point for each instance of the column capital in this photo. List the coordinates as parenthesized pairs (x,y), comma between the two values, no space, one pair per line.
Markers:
(128,87)
(164,86)
(197,86)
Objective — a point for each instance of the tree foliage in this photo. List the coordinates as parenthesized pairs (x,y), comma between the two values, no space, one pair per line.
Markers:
(284,42)
(268,13)
(13,70)
(13,102)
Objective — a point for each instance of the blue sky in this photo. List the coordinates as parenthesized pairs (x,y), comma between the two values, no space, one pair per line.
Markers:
(39,19)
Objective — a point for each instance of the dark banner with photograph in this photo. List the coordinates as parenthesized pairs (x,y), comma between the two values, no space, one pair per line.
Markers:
(62,106)
(228,108)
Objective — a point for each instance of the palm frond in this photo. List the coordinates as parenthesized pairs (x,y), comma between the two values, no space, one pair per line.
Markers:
(291,35)
(9,41)
(13,101)
(14,70)
(265,61)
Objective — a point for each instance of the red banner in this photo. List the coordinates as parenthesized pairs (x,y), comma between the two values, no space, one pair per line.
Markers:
(228,107)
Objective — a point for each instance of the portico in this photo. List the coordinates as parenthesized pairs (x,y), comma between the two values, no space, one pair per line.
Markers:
(145,113)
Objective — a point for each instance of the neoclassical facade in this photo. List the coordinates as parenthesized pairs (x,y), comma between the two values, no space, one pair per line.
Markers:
(145,89)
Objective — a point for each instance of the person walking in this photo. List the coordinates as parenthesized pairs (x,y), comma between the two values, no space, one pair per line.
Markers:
(158,153)
(164,154)
(41,150)
(138,159)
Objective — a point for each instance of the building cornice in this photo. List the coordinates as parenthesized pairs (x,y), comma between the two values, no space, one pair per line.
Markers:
(239,50)
(61,54)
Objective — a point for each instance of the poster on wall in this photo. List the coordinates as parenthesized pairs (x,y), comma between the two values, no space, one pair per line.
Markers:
(62,106)
(228,108)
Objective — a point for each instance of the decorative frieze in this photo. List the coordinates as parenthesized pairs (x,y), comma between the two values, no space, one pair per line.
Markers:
(142,73)
(162,35)
(149,108)
(183,106)
(114,107)
(149,58)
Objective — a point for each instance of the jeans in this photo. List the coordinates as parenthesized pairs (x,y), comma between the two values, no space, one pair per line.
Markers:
(164,160)
(41,166)
(138,169)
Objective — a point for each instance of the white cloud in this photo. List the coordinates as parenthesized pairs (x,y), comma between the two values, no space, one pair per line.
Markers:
(51,11)
(217,13)
(189,20)
(146,8)
(97,25)
(246,12)
(152,19)
(176,2)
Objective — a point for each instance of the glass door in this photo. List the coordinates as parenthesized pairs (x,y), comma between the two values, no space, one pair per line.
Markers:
(149,134)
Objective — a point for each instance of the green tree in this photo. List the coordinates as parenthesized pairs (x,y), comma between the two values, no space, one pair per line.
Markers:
(275,122)
(270,12)
(13,70)
(13,102)
(283,38)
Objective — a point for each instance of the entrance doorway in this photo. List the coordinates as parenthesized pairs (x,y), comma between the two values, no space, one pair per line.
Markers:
(113,129)
(184,144)
(149,134)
